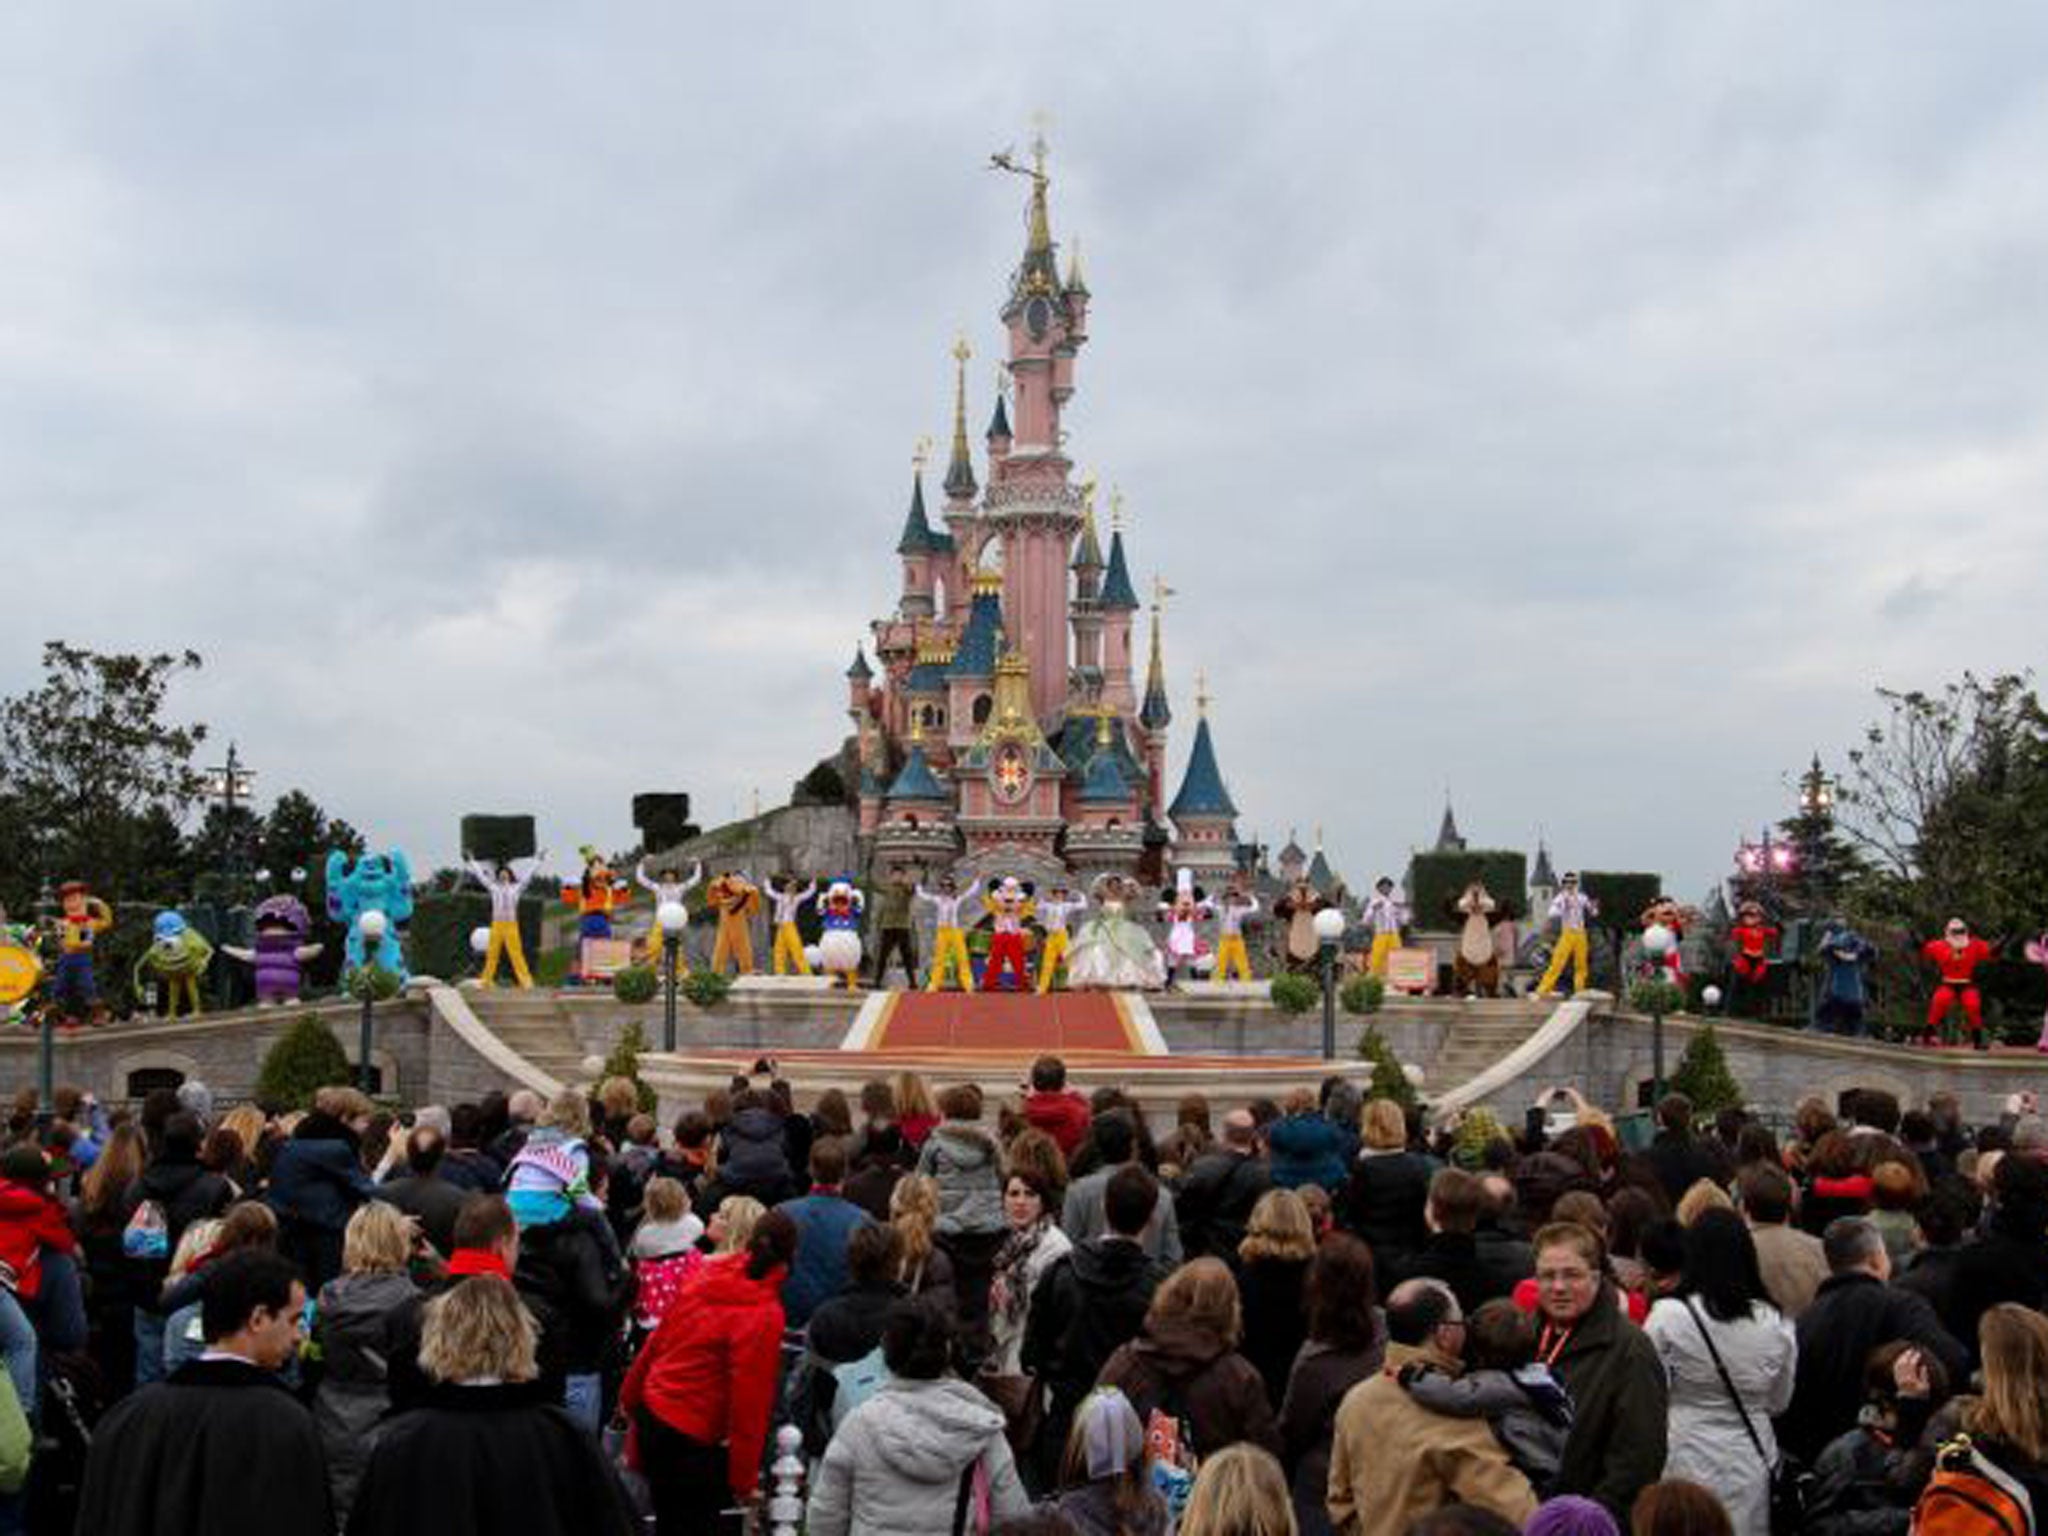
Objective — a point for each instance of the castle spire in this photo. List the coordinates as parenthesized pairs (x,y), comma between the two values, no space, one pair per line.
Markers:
(1154,714)
(1076,283)
(960,472)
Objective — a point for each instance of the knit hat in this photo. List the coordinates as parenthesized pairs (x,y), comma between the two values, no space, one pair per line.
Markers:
(1570,1515)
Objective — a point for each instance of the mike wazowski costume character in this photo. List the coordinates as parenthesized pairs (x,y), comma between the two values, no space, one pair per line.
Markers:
(377,882)
(280,952)
(506,885)
(839,946)
(74,988)
(177,957)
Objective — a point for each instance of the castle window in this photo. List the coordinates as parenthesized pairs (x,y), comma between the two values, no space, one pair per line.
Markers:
(982,705)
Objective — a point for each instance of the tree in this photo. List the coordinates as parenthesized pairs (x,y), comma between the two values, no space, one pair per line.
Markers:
(302,1061)
(87,760)
(1702,1075)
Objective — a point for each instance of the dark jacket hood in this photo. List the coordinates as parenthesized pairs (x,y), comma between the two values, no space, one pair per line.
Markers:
(1111,1265)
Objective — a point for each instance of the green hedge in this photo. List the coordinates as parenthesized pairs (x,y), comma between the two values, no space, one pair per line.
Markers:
(1295,994)
(302,1061)
(498,839)
(663,820)
(635,984)
(437,939)
(1363,994)
(1436,880)
(1622,895)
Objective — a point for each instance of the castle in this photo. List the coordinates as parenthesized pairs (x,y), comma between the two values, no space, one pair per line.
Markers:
(1001,728)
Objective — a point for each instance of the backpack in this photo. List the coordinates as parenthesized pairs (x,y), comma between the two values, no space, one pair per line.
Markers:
(148,1233)
(855,1382)
(1969,1495)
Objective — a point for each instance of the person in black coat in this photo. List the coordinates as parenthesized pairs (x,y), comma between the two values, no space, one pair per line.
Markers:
(424,1191)
(572,1269)
(1451,1251)
(1681,1158)
(2010,1261)
(318,1181)
(486,1450)
(1222,1185)
(1382,1201)
(221,1446)
(1854,1311)
(184,1192)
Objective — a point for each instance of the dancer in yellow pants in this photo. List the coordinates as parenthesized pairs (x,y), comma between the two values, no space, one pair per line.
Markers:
(1569,908)
(505,885)
(1385,914)
(1053,914)
(735,899)
(1237,905)
(665,889)
(949,947)
(789,943)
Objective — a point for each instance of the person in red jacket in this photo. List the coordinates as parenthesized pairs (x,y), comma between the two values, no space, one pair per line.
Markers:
(1053,1107)
(30,1221)
(1955,957)
(699,1396)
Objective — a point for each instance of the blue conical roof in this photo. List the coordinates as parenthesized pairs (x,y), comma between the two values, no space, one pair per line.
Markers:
(916,781)
(917,529)
(999,423)
(860,671)
(1201,788)
(1105,784)
(981,640)
(1117,591)
(1153,713)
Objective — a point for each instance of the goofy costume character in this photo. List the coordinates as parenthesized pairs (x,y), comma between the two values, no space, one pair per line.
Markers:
(1385,915)
(789,943)
(1054,913)
(1009,908)
(1955,956)
(596,896)
(949,945)
(1237,905)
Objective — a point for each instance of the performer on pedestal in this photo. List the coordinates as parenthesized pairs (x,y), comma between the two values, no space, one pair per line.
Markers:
(949,944)
(735,898)
(1009,906)
(1238,904)
(1955,956)
(1056,909)
(1845,957)
(1749,966)
(1476,968)
(1385,915)
(74,989)
(789,943)
(505,885)
(1111,950)
(1187,906)
(1569,909)
(665,889)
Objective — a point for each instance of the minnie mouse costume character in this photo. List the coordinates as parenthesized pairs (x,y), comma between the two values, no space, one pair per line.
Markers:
(1187,906)
(1955,957)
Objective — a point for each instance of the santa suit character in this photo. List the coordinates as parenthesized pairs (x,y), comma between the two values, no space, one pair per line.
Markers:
(735,898)
(1187,907)
(839,946)
(949,943)
(1385,915)
(1569,909)
(1237,905)
(1055,911)
(789,944)
(1955,957)
(665,889)
(1009,905)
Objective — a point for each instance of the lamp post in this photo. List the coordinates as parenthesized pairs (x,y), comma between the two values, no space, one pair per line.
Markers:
(228,783)
(1658,941)
(671,917)
(1329,925)
(373,926)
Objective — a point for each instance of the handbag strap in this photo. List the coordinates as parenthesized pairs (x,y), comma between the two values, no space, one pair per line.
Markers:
(965,1496)
(1727,1381)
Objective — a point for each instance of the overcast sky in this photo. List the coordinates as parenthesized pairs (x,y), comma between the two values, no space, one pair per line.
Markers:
(1582,406)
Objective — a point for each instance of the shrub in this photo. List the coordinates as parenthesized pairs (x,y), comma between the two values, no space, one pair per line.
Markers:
(1622,896)
(300,1062)
(1439,879)
(497,839)
(377,983)
(1389,1078)
(1363,994)
(1294,994)
(1702,1075)
(1476,1132)
(663,820)
(437,936)
(624,1061)
(1653,994)
(635,984)
(707,989)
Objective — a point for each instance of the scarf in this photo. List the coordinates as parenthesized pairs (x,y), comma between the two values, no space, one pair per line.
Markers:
(476,1261)
(1013,1259)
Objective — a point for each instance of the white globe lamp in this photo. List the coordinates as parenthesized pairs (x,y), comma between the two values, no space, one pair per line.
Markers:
(1329,924)
(374,925)
(672,917)
(1711,996)
(479,940)
(1658,941)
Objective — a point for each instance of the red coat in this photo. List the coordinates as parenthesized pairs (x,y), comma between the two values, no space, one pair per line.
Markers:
(1062,1114)
(709,1370)
(29,1223)
(1957,966)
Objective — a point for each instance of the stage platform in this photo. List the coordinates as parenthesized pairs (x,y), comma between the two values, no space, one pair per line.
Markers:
(1007,1024)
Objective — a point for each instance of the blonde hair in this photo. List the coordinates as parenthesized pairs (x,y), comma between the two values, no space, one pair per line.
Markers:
(194,1244)
(1240,1491)
(1704,1195)
(342,1103)
(378,1239)
(740,1214)
(246,1121)
(619,1096)
(912,1097)
(479,1329)
(1280,1228)
(567,1111)
(1385,1127)
(914,1212)
(2014,1342)
(665,1199)
(1201,1292)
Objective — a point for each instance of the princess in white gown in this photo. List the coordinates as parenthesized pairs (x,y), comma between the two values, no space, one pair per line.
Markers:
(1112,951)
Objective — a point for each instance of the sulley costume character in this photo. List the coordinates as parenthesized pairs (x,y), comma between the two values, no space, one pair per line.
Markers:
(177,957)
(280,953)
(839,946)
(377,882)
(1955,956)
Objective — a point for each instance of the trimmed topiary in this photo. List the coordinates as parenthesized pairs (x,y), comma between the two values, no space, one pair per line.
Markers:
(1389,1077)
(707,989)
(1653,994)
(377,983)
(624,1061)
(1702,1075)
(300,1062)
(1439,879)
(1478,1131)
(1363,994)
(1294,994)
(497,839)
(635,984)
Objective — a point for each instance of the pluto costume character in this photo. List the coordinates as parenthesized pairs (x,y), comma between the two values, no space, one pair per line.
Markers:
(735,899)
(177,957)
(839,946)
(1009,909)
(376,882)
(280,952)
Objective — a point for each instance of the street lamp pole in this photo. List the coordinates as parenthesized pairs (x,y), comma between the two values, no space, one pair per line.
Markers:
(1658,941)
(231,782)
(672,917)
(366,979)
(1329,926)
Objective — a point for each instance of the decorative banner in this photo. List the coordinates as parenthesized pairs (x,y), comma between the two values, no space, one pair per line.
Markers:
(1412,970)
(603,959)
(20,970)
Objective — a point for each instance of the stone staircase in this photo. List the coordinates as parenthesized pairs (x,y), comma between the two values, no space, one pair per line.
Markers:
(1482,1034)
(536,1027)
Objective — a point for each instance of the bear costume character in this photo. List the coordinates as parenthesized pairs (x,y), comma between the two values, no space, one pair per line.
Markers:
(1475,970)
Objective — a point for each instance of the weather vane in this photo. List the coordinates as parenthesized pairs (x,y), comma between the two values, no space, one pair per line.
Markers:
(921,453)
(1202,697)
(1116,508)
(1160,593)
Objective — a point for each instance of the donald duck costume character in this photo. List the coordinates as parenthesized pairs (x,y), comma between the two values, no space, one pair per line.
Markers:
(839,947)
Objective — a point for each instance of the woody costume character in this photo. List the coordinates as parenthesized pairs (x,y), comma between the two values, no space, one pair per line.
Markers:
(1955,956)
(82,919)
(1569,909)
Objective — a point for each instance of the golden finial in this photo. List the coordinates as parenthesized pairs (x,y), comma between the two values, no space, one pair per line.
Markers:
(1202,693)
(1074,279)
(921,452)
(1087,489)
(1116,509)
(961,351)
(1102,727)
(1160,593)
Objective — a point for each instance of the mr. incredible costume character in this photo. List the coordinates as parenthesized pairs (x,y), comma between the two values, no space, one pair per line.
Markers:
(177,957)
(1955,956)
(1570,909)
(735,899)
(84,917)
(1009,908)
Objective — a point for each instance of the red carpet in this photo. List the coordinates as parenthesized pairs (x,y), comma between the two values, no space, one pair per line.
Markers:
(1008,1022)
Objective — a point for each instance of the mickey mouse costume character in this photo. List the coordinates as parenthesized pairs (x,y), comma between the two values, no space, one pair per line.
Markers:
(1009,905)
(1188,905)
(1955,956)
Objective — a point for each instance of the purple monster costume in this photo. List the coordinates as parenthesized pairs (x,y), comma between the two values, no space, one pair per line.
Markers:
(281,950)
